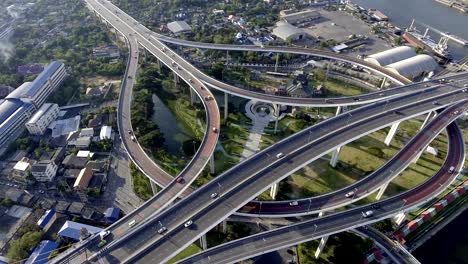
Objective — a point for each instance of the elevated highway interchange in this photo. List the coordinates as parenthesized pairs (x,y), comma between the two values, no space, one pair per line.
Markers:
(159,50)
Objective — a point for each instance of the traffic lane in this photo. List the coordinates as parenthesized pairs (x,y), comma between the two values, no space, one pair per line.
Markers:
(166,218)
(250,187)
(455,158)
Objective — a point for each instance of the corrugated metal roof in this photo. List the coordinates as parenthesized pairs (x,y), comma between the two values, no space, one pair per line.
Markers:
(391,56)
(44,220)
(41,79)
(44,109)
(8,117)
(72,230)
(42,252)
(106,132)
(286,31)
(22,89)
(414,66)
(178,27)
(8,107)
(112,213)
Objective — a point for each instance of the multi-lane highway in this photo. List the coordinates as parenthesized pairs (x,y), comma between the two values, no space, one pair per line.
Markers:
(185,71)
(330,224)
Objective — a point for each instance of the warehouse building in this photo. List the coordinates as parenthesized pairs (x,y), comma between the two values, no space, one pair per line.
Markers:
(39,122)
(414,66)
(288,32)
(179,28)
(301,18)
(391,56)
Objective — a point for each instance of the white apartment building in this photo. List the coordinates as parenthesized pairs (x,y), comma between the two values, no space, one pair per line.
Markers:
(44,171)
(39,122)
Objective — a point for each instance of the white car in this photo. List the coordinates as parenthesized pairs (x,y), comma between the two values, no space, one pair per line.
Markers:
(188,223)
(367,214)
(104,233)
(293,203)
(162,230)
(214,195)
(349,194)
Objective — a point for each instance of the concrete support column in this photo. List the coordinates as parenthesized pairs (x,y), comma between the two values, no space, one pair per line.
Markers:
(146,55)
(226,104)
(391,133)
(384,81)
(339,109)
(277,117)
(203,242)
(335,156)
(227,56)
(429,116)
(159,64)
(154,187)
(277,61)
(274,191)
(381,191)
(224,226)
(322,243)
(176,78)
(193,96)
(212,164)
(399,218)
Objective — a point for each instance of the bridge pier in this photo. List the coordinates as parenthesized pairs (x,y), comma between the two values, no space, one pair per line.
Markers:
(381,191)
(212,164)
(335,156)
(154,187)
(277,61)
(428,118)
(226,104)
(224,226)
(391,133)
(277,116)
(193,96)
(203,242)
(399,218)
(323,242)
(274,191)
(227,56)
(384,81)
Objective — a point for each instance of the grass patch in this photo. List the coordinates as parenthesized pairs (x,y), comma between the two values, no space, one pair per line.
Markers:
(189,251)
(340,88)
(188,116)
(141,183)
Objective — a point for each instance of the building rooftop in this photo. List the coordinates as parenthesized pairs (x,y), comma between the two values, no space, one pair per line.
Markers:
(177,27)
(83,179)
(41,112)
(84,154)
(20,91)
(285,30)
(42,78)
(21,165)
(42,252)
(391,56)
(414,66)
(106,132)
(72,230)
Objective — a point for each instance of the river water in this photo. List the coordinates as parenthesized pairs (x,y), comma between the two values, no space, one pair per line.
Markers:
(174,133)
(429,12)
(449,245)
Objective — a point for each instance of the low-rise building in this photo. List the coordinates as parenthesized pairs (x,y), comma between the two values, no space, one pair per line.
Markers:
(106,52)
(74,230)
(42,252)
(106,133)
(87,132)
(83,179)
(44,171)
(39,122)
(21,171)
(288,32)
(73,162)
(179,27)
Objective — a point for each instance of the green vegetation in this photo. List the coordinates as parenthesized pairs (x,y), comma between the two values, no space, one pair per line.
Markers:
(189,251)
(343,248)
(19,249)
(141,183)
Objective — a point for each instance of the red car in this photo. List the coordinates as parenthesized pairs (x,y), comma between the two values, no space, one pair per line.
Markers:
(180,180)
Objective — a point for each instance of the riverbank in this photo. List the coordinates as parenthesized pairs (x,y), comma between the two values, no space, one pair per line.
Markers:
(459,5)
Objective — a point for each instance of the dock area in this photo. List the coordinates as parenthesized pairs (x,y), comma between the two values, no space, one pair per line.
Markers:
(457,4)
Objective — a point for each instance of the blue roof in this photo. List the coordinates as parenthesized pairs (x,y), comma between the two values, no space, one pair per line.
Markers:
(14,110)
(72,230)
(112,213)
(41,79)
(44,220)
(42,252)
(8,107)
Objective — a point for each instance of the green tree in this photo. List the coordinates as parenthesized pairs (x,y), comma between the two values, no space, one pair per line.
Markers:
(19,248)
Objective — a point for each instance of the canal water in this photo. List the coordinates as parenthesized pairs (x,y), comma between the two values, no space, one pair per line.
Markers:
(448,246)
(174,133)
(429,12)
